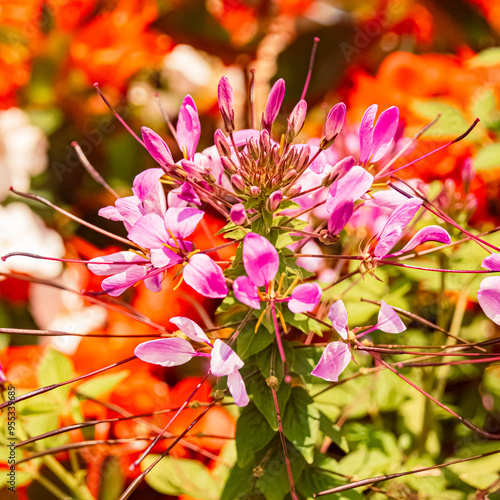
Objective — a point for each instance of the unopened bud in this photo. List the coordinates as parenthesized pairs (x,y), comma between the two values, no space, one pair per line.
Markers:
(254,191)
(228,164)
(289,175)
(218,395)
(225,95)
(274,200)
(303,159)
(273,104)
(272,382)
(253,148)
(238,183)
(327,238)
(333,125)
(293,191)
(221,143)
(338,171)
(208,177)
(265,143)
(296,121)
(157,147)
(238,214)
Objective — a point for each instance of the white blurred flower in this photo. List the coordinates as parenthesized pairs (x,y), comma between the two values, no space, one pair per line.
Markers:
(23,151)
(55,309)
(21,230)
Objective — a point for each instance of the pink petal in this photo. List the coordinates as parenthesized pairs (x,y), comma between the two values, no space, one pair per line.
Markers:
(338,316)
(260,259)
(245,291)
(149,232)
(340,216)
(333,362)
(183,221)
(237,388)
(383,133)
(188,127)
(397,222)
(273,103)
(492,262)
(146,181)
(305,298)
(429,233)
(488,297)
(355,183)
(117,284)
(157,147)
(165,352)
(189,328)
(153,283)
(388,320)
(238,214)
(224,360)
(188,194)
(205,276)
(335,121)
(366,133)
(114,263)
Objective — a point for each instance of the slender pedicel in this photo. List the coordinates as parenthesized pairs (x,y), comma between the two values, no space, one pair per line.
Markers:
(311,64)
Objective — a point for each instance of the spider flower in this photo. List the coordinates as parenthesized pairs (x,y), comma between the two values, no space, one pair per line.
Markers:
(488,294)
(177,351)
(337,355)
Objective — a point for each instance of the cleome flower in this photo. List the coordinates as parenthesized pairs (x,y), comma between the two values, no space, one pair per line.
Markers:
(177,351)
(337,355)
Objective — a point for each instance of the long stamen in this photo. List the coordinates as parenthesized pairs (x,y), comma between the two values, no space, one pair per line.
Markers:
(292,286)
(260,319)
(119,118)
(282,277)
(311,64)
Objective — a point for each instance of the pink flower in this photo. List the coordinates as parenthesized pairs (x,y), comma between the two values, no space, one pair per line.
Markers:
(488,296)
(376,140)
(188,128)
(176,351)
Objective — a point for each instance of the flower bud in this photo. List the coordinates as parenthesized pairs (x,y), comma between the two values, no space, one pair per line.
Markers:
(238,182)
(228,164)
(289,175)
(293,190)
(225,96)
(157,147)
(296,120)
(273,104)
(333,125)
(221,143)
(274,200)
(265,143)
(253,148)
(254,191)
(338,170)
(238,214)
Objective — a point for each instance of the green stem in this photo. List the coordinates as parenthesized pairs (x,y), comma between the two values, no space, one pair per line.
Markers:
(52,488)
(80,491)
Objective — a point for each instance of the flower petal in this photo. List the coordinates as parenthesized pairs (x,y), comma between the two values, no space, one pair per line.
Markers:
(165,352)
(333,362)
(237,388)
(245,291)
(114,263)
(338,316)
(149,232)
(384,132)
(492,262)
(366,133)
(388,320)
(260,259)
(488,297)
(205,276)
(183,221)
(305,298)
(224,360)
(429,233)
(354,184)
(397,222)
(340,216)
(189,328)
(117,284)
(157,147)
(188,127)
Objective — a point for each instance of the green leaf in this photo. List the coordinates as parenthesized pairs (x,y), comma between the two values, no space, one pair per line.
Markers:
(53,369)
(451,123)
(263,360)
(488,157)
(301,422)
(250,342)
(264,401)
(327,427)
(274,482)
(488,57)
(301,322)
(304,361)
(252,434)
(111,479)
(180,476)
(40,424)
(98,386)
